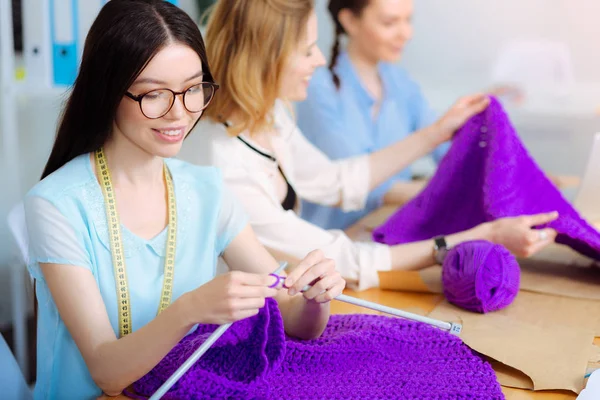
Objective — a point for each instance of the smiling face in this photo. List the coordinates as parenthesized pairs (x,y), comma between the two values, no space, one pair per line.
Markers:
(381,30)
(176,67)
(301,64)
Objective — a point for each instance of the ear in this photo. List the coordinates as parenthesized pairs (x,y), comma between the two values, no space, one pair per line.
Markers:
(349,21)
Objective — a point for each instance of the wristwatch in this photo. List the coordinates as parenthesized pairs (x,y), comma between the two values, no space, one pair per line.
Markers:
(440,249)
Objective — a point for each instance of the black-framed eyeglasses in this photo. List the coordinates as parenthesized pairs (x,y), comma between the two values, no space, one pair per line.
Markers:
(158,102)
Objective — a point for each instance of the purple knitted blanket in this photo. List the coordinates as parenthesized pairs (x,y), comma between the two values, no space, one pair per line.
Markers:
(357,357)
(487,174)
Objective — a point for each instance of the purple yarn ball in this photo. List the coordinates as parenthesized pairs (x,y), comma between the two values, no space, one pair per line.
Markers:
(480,276)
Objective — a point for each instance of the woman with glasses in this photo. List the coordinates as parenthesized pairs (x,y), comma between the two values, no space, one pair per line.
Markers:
(264,53)
(123,239)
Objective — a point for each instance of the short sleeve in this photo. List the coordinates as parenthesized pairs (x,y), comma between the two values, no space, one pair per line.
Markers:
(232,219)
(52,238)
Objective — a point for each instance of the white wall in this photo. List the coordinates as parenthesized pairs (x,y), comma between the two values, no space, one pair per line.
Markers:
(464,36)
(460,38)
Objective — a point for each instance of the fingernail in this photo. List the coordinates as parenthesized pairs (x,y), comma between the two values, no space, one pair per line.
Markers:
(292,292)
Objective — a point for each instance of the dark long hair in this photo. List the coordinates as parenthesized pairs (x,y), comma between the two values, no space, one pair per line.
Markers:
(335,6)
(122,40)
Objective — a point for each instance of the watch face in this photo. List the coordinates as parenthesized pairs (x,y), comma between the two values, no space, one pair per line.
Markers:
(440,248)
(440,242)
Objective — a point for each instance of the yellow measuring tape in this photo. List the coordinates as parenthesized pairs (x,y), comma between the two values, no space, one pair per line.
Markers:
(116,244)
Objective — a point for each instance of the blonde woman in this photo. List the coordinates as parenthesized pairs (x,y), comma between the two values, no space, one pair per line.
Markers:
(264,53)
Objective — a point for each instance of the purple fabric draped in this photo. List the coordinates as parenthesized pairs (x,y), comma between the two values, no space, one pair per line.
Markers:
(357,357)
(487,174)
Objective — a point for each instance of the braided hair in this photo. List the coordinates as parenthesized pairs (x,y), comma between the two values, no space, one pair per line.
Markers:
(334,7)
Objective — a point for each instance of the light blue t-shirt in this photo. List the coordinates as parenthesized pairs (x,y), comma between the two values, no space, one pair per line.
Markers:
(340,123)
(67,224)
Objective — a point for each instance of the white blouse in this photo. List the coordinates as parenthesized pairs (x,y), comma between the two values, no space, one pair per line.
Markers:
(313,176)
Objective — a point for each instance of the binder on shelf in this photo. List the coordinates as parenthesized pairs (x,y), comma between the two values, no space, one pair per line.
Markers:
(37,51)
(64,36)
(54,32)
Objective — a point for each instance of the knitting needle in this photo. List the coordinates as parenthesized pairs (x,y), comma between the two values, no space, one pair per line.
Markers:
(197,354)
(452,327)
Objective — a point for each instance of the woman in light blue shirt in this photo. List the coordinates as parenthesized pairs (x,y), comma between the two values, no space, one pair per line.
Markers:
(124,240)
(363,102)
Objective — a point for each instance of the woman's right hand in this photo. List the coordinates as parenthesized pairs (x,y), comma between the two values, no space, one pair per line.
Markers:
(229,297)
(465,108)
(518,235)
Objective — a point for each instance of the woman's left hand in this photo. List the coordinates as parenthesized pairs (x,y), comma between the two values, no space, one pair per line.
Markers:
(320,273)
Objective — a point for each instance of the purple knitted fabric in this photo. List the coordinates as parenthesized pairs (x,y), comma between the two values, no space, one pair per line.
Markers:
(487,174)
(357,357)
(480,276)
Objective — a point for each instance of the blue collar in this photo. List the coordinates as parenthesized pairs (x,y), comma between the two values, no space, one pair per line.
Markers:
(346,70)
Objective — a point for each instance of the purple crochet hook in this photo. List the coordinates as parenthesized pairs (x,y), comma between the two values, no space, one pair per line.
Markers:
(452,327)
(278,279)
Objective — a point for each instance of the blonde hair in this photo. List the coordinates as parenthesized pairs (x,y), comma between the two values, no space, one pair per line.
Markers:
(248,43)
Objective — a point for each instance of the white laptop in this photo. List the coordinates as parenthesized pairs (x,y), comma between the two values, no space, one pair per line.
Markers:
(587,200)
